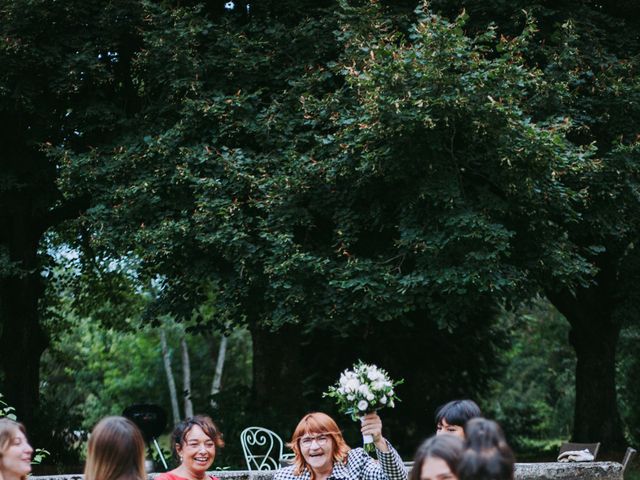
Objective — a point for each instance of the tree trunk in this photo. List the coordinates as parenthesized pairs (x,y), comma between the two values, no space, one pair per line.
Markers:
(22,342)
(186,378)
(29,204)
(217,377)
(277,366)
(22,215)
(166,358)
(596,410)
(594,336)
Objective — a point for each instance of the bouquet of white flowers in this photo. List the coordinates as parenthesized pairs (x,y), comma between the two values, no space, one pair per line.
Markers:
(363,389)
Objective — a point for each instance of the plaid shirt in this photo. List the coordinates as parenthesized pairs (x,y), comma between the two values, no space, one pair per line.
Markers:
(359,466)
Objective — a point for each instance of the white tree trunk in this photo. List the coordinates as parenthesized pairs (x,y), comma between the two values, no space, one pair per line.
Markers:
(217,377)
(166,358)
(186,378)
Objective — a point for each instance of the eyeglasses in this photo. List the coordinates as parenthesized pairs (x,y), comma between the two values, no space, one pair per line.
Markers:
(321,440)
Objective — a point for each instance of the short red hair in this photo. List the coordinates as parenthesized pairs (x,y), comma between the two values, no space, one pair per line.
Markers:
(312,424)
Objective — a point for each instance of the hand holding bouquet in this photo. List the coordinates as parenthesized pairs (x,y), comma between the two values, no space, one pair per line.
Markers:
(364,389)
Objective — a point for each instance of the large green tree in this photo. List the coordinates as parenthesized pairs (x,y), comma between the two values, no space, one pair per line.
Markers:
(587,46)
(215,182)
(331,168)
(390,170)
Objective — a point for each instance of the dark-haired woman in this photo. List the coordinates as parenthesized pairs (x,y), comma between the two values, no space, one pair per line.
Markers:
(194,443)
(487,455)
(321,452)
(438,458)
(452,416)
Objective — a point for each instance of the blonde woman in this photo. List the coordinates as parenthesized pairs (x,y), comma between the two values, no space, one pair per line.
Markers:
(15,451)
(115,451)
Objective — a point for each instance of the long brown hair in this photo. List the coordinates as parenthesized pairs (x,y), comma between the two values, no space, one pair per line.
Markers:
(8,429)
(115,452)
(317,423)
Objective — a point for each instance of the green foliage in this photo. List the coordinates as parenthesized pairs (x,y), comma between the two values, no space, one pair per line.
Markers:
(341,170)
(412,174)
(6,410)
(533,399)
(98,372)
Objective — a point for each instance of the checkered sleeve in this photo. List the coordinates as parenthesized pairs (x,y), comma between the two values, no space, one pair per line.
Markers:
(392,464)
(286,474)
(389,466)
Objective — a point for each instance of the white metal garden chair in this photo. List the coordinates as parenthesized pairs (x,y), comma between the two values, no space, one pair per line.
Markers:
(262,449)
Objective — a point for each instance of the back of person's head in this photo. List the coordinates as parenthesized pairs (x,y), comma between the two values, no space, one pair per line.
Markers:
(457,412)
(115,451)
(487,455)
(448,448)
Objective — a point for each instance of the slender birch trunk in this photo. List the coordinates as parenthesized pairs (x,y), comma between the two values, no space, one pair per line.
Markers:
(186,378)
(217,377)
(170,380)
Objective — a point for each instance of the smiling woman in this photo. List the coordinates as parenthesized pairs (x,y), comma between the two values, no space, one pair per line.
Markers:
(15,451)
(321,452)
(194,443)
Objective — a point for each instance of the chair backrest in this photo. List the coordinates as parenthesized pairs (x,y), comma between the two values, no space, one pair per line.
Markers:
(592,447)
(262,448)
(628,457)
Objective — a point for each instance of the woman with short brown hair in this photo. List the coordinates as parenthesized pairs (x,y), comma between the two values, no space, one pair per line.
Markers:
(194,443)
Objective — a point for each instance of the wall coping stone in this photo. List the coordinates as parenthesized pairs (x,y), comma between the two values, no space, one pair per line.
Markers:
(523,471)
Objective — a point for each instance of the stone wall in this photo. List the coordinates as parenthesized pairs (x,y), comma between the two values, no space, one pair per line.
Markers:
(524,471)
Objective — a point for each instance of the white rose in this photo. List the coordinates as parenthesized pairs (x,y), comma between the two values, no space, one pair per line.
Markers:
(370,397)
(383,400)
(352,385)
(377,385)
(362,405)
(364,390)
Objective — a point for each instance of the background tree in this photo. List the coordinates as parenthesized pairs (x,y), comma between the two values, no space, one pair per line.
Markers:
(360,171)
(586,46)
(59,68)
(387,181)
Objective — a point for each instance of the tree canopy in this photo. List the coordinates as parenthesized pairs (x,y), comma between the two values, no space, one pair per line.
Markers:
(336,169)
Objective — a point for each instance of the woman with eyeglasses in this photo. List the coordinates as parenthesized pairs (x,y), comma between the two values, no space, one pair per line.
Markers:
(320,452)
